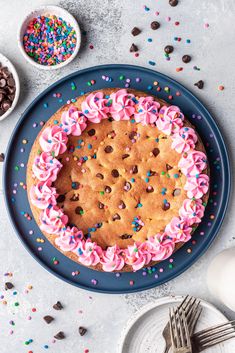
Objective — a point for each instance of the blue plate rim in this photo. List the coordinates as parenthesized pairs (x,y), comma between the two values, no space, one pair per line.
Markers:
(226,170)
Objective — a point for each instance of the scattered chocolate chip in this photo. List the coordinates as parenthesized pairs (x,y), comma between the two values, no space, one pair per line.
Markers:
(108,149)
(48,319)
(176,192)
(60,198)
(91,132)
(59,336)
(186,59)
(126,236)
(116,217)
(75,185)
(78,210)
(199,84)
(132,135)
(168,167)
(2,157)
(133,48)
(58,306)
(134,169)
(127,186)
(155,25)
(100,205)
(100,176)
(166,206)
(9,285)
(122,205)
(124,156)
(107,189)
(115,173)
(169,49)
(173,3)
(149,189)
(135,31)
(75,197)
(155,152)
(82,330)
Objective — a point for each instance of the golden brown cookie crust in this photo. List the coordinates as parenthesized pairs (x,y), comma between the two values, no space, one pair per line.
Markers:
(96,204)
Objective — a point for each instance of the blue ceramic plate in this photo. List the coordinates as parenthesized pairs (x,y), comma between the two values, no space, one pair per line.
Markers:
(29,126)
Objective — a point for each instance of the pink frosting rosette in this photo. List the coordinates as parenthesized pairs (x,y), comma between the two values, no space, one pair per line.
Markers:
(69,239)
(197,186)
(89,253)
(147,111)
(184,140)
(95,107)
(170,119)
(53,139)
(193,163)
(192,211)
(123,106)
(73,122)
(178,230)
(45,167)
(53,220)
(160,246)
(137,256)
(43,194)
(112,260)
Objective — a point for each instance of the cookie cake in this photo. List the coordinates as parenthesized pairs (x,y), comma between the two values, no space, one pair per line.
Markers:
(118,180)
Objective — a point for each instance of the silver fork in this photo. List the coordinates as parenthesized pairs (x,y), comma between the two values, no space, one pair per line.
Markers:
(180,337)
(192,312)
(213,335)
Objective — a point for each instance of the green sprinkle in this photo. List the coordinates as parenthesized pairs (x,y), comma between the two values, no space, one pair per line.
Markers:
(101,192)
(121,77)
(135,250)
(16,168)
(171,266)
(163,173)
(17,304)
(168,175)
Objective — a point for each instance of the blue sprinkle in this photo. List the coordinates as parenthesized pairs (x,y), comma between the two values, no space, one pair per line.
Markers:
(152,63)
(150,87)
(45,105)
(150,40)
(147,180)
(132,180)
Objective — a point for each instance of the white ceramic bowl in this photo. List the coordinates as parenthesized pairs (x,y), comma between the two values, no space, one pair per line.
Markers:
(6,62)
(45,11)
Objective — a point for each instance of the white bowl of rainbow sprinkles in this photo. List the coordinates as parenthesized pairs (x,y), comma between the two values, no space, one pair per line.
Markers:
(49,37)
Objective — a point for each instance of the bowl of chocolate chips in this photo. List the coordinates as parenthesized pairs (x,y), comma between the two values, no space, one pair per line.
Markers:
(9,87)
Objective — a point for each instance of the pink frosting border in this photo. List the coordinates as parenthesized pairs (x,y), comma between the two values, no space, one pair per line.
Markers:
(121,105)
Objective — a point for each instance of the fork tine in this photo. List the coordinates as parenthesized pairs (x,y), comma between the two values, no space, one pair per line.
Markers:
(176,329)
(171,329)
(210,329)
(187,336)
(194,319)
(181,333)
(217,341)
(216,335)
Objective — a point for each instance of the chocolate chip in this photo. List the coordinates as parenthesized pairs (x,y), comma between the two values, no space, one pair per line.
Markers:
(135,31)
(75,197)
(127,186)
(124,156)
(100,176)
(149,189)
(166,206)
(133,48)
(186,59)
(58,306)
(173,3)
(79,210)
(2,157)
(100,205)
(108,149)
(9,285)
(82,330)
(199,84)
(155,152)
(59,336)
(48,319)
(132,135)
(116,217)
(6,104)
(126,236)
(155,25)
(152,173)
(107,189)
(122,205)
(168,167)
(110,119)
(134,169)
(2,97)
(3,82)
(169,49)
(11,82)
(5,72)
(91,132)
(75,185)
(176,192)
(115,173)
(138,228)
(60,198)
